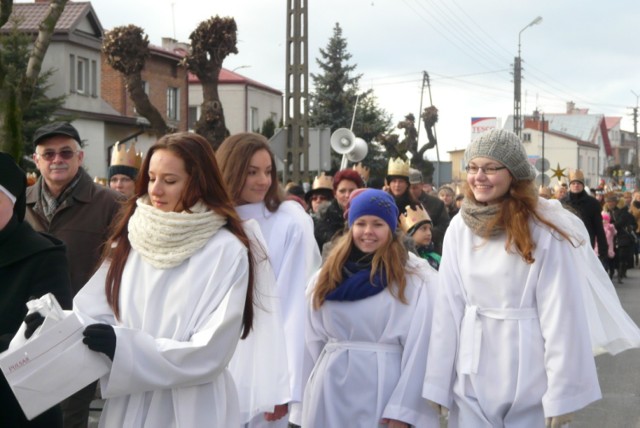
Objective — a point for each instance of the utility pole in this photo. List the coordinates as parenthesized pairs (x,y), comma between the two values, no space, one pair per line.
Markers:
(296,104)
(517,82)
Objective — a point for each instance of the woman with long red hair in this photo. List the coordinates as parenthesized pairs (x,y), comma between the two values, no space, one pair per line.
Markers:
(173,296)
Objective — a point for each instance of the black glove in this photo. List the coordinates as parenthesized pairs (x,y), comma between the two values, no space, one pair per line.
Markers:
(100,338)
(33,321)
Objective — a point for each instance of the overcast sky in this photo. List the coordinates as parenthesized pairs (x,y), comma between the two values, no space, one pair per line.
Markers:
(583,51)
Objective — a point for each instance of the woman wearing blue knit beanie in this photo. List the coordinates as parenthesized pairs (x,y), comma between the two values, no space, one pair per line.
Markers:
(368,326)
(526,303)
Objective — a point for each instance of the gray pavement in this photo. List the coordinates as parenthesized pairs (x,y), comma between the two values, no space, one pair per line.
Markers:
(619,375)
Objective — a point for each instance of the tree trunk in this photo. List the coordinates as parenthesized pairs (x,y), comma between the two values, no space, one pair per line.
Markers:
(211,124)
(143,105)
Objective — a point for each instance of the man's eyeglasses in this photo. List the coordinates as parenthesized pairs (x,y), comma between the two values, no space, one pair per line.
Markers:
(487,170)
(50,155)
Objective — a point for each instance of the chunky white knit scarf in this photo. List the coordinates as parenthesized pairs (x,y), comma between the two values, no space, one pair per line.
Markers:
(166,239)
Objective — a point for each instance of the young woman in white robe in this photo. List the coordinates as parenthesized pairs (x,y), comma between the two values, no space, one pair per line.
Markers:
(249,169)
(510,344)
(368,326)
(174,295)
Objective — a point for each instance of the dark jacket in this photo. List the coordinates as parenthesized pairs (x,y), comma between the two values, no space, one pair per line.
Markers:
(589,210)
(328,222)
(82,222)
(439,218)
(31,265)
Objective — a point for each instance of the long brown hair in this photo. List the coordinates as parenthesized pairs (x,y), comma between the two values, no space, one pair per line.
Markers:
(391,257)
(204,184)
(517,207)
(234,156)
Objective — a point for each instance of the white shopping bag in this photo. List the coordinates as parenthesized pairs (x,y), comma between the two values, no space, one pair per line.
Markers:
(52,366)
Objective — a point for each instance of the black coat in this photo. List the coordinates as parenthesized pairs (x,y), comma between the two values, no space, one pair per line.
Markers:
(590,212)
(440,219)
(328,222)
(31,265)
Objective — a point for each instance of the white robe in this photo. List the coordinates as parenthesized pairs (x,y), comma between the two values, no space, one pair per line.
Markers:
(510,342)
(369,356)
(259,365)
(294,256)
(178,330)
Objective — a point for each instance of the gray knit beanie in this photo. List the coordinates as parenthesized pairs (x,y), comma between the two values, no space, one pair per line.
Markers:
(505,147)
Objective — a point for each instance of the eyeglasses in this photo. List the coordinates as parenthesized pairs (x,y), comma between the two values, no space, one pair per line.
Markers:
(319,198)
(50,155)
(487,170)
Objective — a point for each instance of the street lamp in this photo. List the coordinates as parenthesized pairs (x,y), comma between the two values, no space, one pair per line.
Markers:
(517,77)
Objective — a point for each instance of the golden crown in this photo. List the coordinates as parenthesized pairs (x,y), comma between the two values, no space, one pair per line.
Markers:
(322,181)
(121,156)
(397,166)
(412,217)
(362,170)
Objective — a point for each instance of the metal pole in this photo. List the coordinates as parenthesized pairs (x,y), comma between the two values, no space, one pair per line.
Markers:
(424,79)
(517,77)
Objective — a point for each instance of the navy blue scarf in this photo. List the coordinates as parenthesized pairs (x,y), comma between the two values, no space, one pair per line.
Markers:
(356,284)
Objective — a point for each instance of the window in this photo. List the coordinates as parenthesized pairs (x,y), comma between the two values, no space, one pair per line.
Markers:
(173,103)
(82,75)
(253,120)
(193,118)
(526,137)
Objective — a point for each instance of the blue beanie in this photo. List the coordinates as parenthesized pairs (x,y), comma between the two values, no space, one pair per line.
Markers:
(374,202)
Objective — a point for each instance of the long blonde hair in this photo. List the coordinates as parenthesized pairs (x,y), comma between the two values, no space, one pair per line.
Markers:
(391,258)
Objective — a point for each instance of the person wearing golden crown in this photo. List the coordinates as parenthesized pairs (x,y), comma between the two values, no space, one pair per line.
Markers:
(124,169)
(416,223)
(321,193)
(398,183)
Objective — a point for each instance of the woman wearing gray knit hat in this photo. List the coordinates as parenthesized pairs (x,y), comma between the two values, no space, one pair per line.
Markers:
(509,347)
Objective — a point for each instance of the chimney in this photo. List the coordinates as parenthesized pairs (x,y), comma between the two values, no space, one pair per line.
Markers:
(571,106)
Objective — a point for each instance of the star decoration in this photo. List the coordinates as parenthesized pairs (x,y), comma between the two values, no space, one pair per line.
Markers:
(558,172)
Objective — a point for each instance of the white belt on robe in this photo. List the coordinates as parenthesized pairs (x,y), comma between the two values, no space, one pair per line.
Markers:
(471,332)
(334,345)
(382,351)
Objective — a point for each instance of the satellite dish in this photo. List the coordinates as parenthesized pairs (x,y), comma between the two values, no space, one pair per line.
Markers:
(359,151)
(543,180)
(542,165)
(342,141)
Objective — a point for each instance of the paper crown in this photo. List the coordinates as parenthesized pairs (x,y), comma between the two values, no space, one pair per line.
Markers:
(411,217)
(323,181)
(397,166)
(576,175)
(121,156)
(362,170)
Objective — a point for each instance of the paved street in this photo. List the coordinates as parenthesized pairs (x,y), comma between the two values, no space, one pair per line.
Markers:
(619,376)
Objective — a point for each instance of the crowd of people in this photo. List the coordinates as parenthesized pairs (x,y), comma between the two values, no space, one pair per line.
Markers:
(219,299)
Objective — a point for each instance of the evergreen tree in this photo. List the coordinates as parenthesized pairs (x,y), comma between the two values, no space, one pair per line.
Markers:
(21,122)
(268,128)
(336,90)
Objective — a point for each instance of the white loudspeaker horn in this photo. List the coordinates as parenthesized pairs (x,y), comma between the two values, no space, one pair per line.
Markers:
(359,151)
(343,141)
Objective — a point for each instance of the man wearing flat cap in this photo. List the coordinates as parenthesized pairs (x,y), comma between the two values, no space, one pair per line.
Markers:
(588,209)
(66,203)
